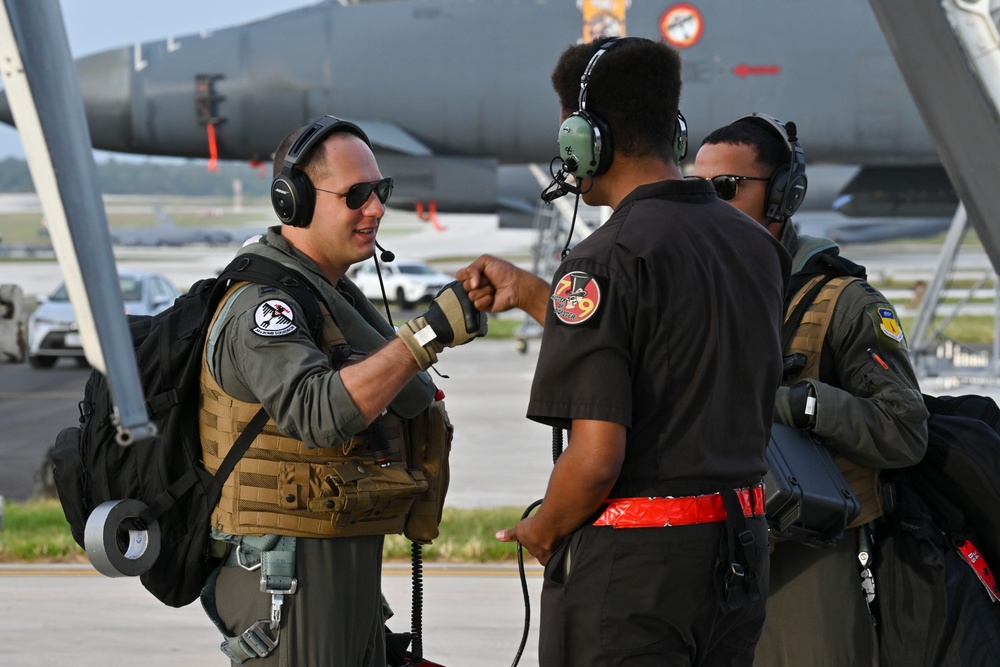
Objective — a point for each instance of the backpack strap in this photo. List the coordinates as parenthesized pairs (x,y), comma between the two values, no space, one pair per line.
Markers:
(808,318)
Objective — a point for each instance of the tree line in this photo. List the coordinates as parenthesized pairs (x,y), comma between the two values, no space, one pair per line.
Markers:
(190,178)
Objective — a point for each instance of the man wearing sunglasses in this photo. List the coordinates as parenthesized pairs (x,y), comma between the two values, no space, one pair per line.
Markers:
(644,358)
(304,513)
(860,397)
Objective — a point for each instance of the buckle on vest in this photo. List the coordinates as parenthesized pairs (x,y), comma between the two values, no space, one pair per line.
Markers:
(257,640)
(251,557)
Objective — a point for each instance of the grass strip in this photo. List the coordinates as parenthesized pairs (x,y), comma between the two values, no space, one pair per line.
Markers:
(37,532)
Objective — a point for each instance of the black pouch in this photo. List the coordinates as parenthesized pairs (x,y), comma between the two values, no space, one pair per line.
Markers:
(808,499)
(736,574)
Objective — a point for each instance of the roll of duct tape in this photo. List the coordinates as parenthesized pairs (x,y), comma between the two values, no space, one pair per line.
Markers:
(118,550)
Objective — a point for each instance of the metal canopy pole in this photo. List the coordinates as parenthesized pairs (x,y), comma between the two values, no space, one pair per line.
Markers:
(932,297)
(41,85)
(948,52)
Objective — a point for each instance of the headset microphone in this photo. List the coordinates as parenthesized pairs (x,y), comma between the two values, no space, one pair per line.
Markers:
(387,255)
(559,187)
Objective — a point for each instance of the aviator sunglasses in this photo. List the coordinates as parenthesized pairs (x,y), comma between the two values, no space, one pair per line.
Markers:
(358,194)
(727,185)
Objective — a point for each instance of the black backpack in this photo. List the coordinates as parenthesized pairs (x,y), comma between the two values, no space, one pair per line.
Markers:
(959,476)
(934,610)
(166,473)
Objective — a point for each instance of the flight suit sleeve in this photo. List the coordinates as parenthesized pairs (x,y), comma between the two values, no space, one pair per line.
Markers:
(262,357)
(876,416)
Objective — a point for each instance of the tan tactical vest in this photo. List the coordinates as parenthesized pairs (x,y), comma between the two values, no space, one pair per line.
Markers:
(281,486)
(808,340)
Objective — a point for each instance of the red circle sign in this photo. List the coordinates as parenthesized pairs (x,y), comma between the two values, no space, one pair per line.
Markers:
(682,25)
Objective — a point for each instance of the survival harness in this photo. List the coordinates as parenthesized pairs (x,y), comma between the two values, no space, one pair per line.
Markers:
(392,478)
(808,314)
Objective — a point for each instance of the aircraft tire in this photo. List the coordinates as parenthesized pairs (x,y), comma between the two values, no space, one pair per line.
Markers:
(42,362)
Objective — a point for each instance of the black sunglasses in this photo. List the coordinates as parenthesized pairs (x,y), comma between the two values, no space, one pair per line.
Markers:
(727,185)
(358,194)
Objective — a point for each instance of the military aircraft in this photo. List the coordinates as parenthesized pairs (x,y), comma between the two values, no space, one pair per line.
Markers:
(454,93)
(166,232)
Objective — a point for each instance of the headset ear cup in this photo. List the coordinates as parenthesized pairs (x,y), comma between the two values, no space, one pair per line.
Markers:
(776,193)
(292,199)
(576,145)
(796,193)
(680,138)
(603,147)
(780,206)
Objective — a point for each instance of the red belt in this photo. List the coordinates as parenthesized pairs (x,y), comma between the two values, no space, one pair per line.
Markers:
(682,511)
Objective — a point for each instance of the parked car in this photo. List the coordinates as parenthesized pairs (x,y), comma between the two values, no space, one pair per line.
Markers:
(52,327)
(407,281)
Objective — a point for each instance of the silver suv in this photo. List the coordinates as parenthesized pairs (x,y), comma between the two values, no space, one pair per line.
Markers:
(52,328)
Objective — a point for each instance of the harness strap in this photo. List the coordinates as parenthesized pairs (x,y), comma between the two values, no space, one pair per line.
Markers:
(740,578)
(274,556)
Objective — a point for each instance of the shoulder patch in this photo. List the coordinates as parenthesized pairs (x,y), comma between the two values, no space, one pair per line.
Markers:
(273,318)
(887,326)
(576,298)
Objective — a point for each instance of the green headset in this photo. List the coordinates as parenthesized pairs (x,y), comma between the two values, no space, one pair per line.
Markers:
(293,195)
(585,144)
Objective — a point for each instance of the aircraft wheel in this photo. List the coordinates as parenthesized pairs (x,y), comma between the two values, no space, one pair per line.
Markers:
(522,345)
(42,362)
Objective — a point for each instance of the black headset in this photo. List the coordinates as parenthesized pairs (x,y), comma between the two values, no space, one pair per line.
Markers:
(584,137)
(787,187)
(292,193)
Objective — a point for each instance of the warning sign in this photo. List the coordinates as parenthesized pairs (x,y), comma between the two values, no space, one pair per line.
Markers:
(681,25)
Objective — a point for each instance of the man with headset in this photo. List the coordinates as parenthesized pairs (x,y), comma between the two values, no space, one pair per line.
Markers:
(651,529)
(339,407)
(857,392)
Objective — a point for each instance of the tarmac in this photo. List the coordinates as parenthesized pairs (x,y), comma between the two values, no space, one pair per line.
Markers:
(473,614)
(71,615)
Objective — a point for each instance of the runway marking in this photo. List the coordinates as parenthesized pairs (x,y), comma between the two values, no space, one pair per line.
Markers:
(34,395)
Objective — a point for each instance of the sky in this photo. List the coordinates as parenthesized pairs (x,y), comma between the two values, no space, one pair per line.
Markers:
(96,25)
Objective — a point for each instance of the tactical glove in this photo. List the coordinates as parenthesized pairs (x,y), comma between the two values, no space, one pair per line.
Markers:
(451,320)
(796,405)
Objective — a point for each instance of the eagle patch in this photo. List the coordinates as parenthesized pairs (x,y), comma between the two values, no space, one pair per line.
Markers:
(273,318)
(576,298)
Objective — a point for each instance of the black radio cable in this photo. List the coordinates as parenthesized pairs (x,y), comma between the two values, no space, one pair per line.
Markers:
(557,448)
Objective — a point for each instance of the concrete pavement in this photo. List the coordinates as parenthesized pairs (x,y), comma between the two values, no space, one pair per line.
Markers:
(70,615)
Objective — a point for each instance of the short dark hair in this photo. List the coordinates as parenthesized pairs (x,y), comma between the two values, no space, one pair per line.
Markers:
(635,88)
(771,148)
(313,163)
(309,164)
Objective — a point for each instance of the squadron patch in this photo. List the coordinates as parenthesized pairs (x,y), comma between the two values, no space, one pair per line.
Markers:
(273,318)
(889,324)
(576,298)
